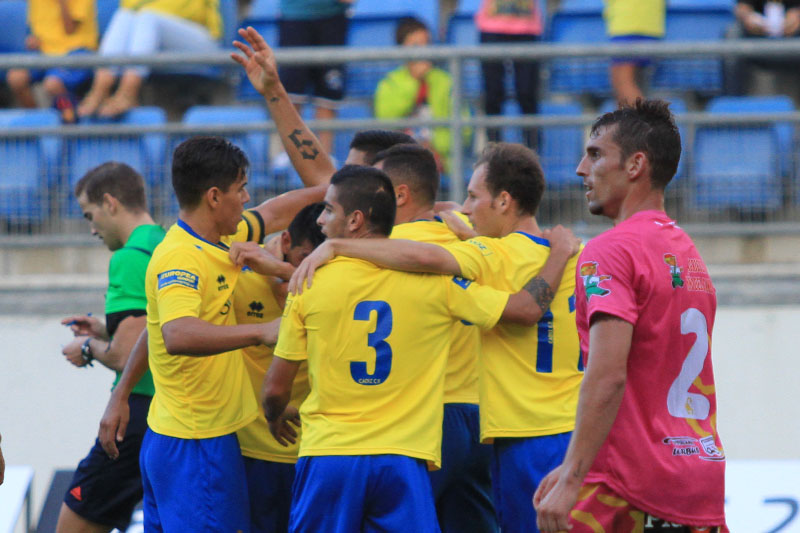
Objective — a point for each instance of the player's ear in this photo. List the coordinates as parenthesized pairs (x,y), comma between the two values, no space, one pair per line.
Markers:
(503,201)
(213,196)
(636,164)
(355,221)
(286,242)
(110,204)
(402,194)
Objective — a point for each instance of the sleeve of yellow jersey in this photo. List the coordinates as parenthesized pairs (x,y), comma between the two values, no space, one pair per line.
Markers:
(179,288)
(292,343)
(250,228)
(472,256)
(477,304)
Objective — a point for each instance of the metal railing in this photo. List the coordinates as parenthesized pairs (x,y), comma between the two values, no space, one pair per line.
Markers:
(563,203)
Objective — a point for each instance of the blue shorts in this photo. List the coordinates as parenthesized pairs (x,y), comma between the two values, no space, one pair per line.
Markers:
(462,489)
(269,485)
(638,61)
(72,78)
(103,490)
(362,493)
(194,484)
(518,466)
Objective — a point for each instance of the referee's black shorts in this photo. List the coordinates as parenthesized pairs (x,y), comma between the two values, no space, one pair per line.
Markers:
(106,491)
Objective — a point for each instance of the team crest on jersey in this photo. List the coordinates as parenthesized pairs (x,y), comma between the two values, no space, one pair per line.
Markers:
(592,281)
(674,270)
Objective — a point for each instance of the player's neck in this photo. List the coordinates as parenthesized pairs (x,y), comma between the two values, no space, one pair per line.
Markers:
(526,224)
(132,220)
(202,224)
(651,200)
(410,213)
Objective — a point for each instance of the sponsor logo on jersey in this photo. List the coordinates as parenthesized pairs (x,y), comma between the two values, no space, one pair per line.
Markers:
(461,282)
(177,277)
(222,283)
(256,309)
(705,448)
(592,280)
(482,247)
(674,270)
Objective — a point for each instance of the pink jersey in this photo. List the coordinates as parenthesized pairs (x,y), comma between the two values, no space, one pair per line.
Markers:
(663,453)
(514,17)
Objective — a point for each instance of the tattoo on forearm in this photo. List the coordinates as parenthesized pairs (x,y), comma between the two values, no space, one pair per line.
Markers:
(304,146)
(274,99)
(541,292)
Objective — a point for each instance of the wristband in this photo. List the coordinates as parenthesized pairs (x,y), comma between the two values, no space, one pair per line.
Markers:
(86,352)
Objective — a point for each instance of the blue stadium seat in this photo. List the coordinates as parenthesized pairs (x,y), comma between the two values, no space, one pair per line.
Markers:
(560,147)
(145,153)
(350,110)
(427,11)
(14,15)
(583,75)
(762,104)
(461,31)
(30,165)
(748,183)
(255,144)
(105,10)
(264,9)
(712,4)
(699,21)
(362,78)
(268,28)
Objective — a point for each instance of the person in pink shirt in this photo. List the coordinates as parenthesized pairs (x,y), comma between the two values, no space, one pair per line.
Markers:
(515,22)
(645,455)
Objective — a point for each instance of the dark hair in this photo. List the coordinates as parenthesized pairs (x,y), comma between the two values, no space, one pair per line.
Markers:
(373,141)
(117,179)
(407,25)
(647,126)
(514,168)
(412,165)
(370,191)
(200,163)
(304,228)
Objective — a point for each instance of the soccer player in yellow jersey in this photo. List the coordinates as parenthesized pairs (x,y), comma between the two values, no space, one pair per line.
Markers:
(193,473)
(268,465)
(376,342)
(529,377)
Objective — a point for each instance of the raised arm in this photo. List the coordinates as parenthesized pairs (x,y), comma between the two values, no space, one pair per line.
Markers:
(600,397)
(314,166)
(396,254)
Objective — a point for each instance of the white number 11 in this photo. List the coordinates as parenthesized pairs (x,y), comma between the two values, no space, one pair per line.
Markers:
(680,402)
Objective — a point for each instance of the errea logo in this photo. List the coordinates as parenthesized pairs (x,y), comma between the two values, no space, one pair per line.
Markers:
(256,309)
(222,283)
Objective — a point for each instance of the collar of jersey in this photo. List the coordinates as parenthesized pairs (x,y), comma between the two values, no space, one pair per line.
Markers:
(534,238)
(188,229)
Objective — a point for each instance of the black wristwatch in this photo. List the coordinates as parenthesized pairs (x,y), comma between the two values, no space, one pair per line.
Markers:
(86,352)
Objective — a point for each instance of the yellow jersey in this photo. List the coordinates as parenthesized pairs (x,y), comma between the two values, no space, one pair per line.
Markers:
(461,375)
(205,13)
(254,302)
(529,376)
(377,342)
(44,19)
(196,397)
(634,17)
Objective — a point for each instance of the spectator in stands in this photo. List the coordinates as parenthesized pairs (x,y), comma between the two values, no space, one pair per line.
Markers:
(760,19)
(417,89)
(632,21)
(314,23)
(144,28)
(510,21)
(57,28)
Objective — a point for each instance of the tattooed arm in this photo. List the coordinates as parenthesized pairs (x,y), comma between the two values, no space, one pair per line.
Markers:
(314,166)
(543,286)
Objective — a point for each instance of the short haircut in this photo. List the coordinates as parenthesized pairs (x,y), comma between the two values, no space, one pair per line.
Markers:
(412,165)
(200,163)
(646,126)
(304,228)
(406,26)
(117,179)
(514,168)
(373,141)
(370,191)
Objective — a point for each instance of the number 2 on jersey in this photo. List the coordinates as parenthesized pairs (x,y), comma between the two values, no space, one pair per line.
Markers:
(376,340)
(680,402)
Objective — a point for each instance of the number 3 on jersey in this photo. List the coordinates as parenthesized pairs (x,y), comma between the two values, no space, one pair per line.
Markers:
(680,402)
(376,340)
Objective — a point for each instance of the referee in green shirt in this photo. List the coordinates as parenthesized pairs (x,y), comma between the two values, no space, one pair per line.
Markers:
(104,492)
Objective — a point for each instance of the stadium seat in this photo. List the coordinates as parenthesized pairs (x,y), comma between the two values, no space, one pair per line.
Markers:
(762,104)
(427,12)
(105,10)
(263,9)
(749,183)
(351,110)
(461,31)
(14,15)
(30,165)
(146,153)
(579,25)
(362,79)
(698,21)
(560,147)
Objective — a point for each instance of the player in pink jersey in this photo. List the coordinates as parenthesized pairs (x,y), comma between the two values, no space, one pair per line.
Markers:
(645,455)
